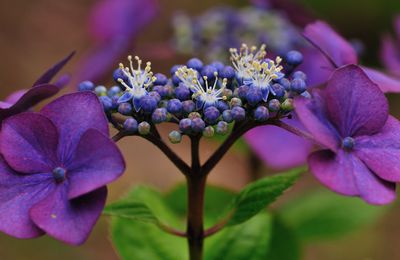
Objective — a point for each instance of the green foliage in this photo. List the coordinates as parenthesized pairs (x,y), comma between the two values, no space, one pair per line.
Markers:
(324,215)
(131,210)
(257,195)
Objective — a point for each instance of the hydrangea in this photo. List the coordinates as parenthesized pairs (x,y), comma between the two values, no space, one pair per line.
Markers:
(54,168)
(359,139)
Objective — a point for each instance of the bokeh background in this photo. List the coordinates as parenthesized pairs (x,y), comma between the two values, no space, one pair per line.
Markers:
(35,34)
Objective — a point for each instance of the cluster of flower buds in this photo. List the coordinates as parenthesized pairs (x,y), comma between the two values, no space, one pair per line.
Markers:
(203,99)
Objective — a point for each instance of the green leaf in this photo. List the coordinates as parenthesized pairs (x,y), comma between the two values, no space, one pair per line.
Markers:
(324,215)
(249,241)
(131,210)
(284,242)
(139,240)
(257,195)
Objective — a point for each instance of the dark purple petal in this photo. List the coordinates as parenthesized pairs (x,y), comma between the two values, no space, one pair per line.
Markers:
(344,173)
(97,162)
(29,99)
(49,74)
(15,96)
(266,142)
(18,193)
(69,220)
(385,82)
(63,80)
(355,104)
(74,114)
(315,66)
(334,46)
(390,54)
(311,113)
(381,152)
(29,143)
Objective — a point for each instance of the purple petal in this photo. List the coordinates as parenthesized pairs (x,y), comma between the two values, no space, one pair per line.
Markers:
(29,99)
(97,162)
(334,46)
(29,143)
(311,113)
(381,152)
(344,173)
(4,105)
(266,142)
(69,220)
(18,193)
(49,74)
(74,114)
(15,96)
(355,104)
(385,82)
(63,80)
(390,54)
(315,66)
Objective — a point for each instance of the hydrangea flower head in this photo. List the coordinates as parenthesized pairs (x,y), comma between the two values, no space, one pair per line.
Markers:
(54,168)
(361,142)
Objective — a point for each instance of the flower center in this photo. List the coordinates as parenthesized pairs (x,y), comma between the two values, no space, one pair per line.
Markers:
(348,143)
(59,174)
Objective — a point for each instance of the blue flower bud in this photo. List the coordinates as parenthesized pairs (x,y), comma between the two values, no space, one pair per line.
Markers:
(100,91)
(148,103)
(285,83)
(274,105)
(198,125)
(218,65)
(131,125)
(298,85)
(161,90)
(195,63)
(278,90)
(169,90)
(115,90)
(182,92)
(228,72)
(348,143)
(188,106)
(261,114)
(86,86)
(299,75)
(242,91)
(125,108)
(119,74)
(185,125)
(161,79)
(222,128)
(227,116)
(238,113)
(211,115)
(209,71)
(294,58)
(159,115)
(174,106)
(144,128)
(175,80)
(106,102)
(175,137)
(222,106)
(175,68)
(208,131)
(236,102)
(155,95)
(115,103)
(227,93)
(254,96)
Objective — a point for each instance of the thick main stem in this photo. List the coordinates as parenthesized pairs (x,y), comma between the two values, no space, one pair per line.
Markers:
(196,184)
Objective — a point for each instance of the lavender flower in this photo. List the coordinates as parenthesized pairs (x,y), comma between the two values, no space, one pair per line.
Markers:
(54,168)
(390,51)
(335,52)
(24,99)
(360,140)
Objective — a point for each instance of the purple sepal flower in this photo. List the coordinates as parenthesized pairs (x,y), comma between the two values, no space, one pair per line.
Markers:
(114,24)
(266,142)
(24,99)
(361,141)
(54,168)
(390,50)
(335,52)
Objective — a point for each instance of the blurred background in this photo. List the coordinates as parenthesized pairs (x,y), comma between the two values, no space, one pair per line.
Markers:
(36,34)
